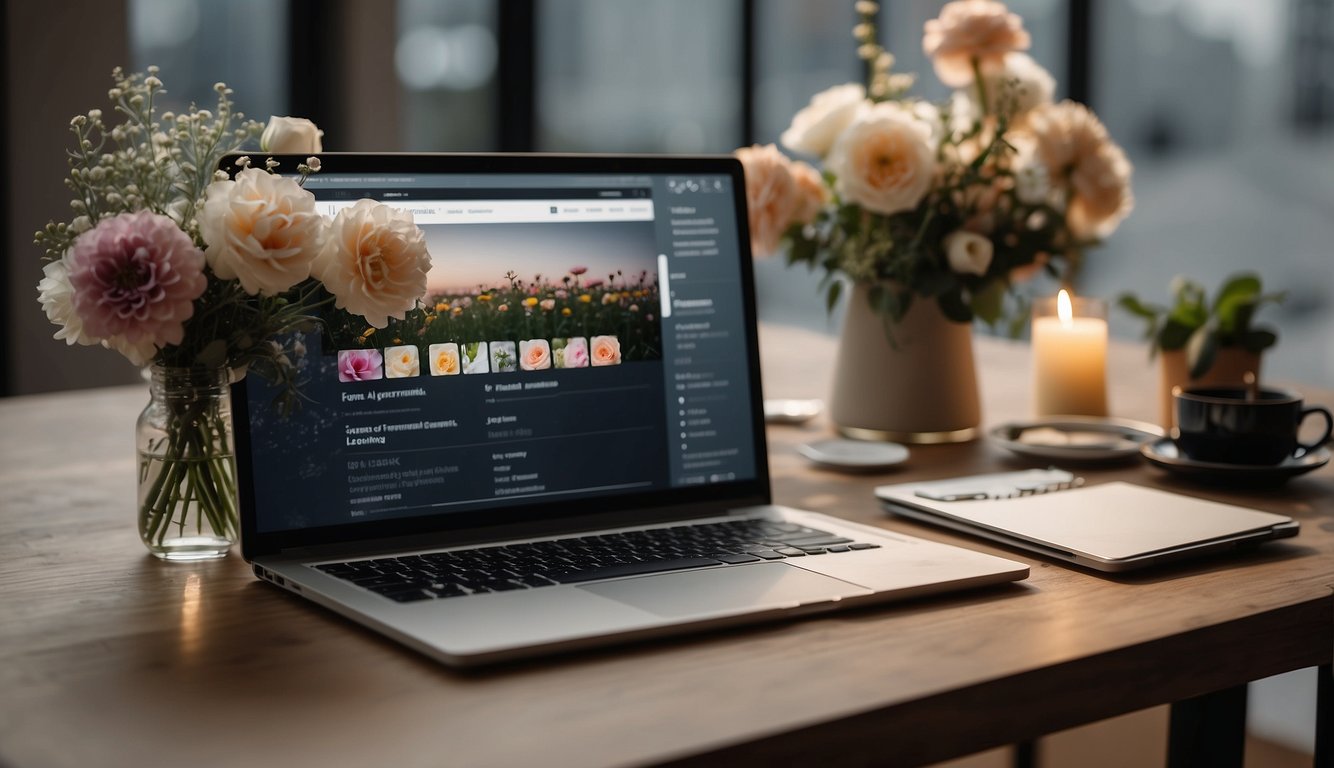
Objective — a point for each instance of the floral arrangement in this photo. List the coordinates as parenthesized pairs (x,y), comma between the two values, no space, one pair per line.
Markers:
(173,263)
(179,265)
(1201,327)
(957,202)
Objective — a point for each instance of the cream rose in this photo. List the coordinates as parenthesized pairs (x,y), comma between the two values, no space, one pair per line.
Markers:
(968,252)
(444,359)
(374,261)
(291,135)
(972,29)
(57,298)
(534,354)
(401,362)
(262,230)
(1079,156)
(884,161)
(811,192)
(606,350)
(771,196)
(819,123)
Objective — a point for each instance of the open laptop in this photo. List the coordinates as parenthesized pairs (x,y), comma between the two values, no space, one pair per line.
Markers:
(565,445)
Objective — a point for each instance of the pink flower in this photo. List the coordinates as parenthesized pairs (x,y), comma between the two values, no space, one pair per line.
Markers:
(136,276)
(968,30)
(360,365)
(534,354)
(593,283)
(576,353)
(578,270)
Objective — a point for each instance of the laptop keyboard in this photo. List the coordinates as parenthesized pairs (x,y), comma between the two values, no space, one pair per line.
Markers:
(590,558)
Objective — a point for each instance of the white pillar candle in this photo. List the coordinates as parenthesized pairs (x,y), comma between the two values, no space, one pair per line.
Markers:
(1070,357)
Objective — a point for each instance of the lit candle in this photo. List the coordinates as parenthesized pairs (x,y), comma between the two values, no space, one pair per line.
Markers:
(1070,357)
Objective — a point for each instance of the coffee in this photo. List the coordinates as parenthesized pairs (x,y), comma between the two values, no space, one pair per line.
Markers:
(1225,425)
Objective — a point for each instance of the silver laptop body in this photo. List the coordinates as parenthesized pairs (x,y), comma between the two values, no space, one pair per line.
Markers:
(651,252)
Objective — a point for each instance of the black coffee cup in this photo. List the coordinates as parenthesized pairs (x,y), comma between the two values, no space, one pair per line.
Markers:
(1222,425)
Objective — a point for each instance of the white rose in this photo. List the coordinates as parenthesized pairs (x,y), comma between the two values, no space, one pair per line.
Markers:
(817,125)
(262,230)
(884,161)
(402,362)
(968,253)
(374,261)
(291,135)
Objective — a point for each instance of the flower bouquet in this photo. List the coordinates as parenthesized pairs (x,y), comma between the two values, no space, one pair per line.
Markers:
(954,202)
(950,204)
(203,275)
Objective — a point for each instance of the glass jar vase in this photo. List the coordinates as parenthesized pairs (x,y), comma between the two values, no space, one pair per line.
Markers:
(187,465)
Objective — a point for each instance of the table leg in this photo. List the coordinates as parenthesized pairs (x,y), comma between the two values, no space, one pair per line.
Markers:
(1024,754)
(1324,717)
(1208,730)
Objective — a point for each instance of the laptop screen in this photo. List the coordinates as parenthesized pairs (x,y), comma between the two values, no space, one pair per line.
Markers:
(585,344)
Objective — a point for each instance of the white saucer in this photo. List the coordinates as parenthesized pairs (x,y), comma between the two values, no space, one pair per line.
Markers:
(1075,438)
(854,455)
(779,411)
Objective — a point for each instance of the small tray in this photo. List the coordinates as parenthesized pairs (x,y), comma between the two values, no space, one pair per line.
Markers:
(1076,438)
(854,455)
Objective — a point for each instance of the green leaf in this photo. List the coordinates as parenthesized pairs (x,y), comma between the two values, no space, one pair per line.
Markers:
(1132,304)
(832,294)
(1174,334)
(1201,351)
(1239,288)
(989,303)
(1257,340)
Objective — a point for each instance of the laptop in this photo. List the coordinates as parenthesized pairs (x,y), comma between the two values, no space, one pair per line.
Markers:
(564,445)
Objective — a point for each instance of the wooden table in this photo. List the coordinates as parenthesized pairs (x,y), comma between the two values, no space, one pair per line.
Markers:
(109,657)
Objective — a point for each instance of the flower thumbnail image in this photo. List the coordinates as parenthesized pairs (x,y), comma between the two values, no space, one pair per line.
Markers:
(402,362)
(444,359)
(475,358)
(605,350)
(360,365)
(570,353)
(502,357)
(534,354)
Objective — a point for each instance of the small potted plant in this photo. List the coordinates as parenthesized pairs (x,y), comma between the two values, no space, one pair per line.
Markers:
(1203,342)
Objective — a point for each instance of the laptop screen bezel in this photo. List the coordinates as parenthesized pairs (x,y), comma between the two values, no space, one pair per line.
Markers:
(461,527)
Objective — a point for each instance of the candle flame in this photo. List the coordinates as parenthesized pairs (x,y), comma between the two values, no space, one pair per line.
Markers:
(1063,309)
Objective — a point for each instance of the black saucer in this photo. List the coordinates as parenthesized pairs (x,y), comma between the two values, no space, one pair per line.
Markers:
(1164,455)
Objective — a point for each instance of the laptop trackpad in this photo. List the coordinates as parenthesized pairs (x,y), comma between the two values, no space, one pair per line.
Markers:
(723,591)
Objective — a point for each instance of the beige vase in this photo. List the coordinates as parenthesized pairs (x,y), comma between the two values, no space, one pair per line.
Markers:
(1229,369)
(919,388)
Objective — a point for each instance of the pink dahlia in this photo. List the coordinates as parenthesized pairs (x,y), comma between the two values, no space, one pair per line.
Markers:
(578,270)
(136,276)
(360,365)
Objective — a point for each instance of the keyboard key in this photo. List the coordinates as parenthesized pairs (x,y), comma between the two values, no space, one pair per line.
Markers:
(730,558)
(790,551)
(767,554)
(863,545)
(630,569)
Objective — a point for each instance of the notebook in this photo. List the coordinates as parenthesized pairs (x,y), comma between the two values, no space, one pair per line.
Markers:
(1115,526)
(564,445)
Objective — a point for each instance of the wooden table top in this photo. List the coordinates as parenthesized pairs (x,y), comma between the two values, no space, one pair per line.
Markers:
(110,657)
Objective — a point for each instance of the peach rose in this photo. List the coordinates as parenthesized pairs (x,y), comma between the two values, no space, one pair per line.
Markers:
(811,192)
(771,196)
(444,359)
(984,30)
(374,261)
(819,123)
(261,230)
(884,161)
(1076,150)
(606,350)
(534,355)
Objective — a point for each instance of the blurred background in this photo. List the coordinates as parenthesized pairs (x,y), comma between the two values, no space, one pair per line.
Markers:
(1226,108)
